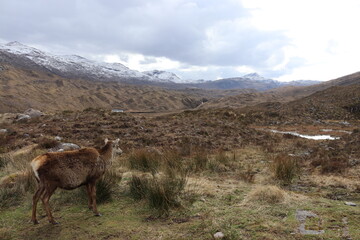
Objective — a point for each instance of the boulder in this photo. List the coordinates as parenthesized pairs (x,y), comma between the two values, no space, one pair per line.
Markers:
(64,147)
(219,235)
(22,117)
(33,113)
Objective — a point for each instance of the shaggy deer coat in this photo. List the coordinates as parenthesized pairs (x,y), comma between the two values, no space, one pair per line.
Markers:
(69,170)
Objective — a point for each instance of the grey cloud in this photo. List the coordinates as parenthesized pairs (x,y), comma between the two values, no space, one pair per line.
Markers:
(198,32)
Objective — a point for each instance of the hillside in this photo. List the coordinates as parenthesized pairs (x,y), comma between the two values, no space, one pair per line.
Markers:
(337,102)
(21,89)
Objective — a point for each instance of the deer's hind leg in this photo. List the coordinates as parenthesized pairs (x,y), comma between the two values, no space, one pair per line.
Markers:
(40,191)
(49,190)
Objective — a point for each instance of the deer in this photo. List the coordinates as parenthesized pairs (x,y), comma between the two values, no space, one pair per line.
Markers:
(70,170)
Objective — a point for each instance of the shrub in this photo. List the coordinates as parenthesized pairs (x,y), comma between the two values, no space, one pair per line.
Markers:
(334,165)
(330,161)
(285,168)
(46,143)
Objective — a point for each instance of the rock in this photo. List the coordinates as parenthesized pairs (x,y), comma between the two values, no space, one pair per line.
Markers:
(58,138)
(301,217)
(350,204)
(219,235)
(69,146)
(203,199)
(22,117)
(64,147)
(33,113)
(3,130)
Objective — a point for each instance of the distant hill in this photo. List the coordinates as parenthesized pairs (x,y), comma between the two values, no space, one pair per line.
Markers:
(296,94)
(250,81)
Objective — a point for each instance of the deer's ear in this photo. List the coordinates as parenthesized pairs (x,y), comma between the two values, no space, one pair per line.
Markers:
(106,140)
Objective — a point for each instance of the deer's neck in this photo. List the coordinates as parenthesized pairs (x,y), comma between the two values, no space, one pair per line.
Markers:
(106,152)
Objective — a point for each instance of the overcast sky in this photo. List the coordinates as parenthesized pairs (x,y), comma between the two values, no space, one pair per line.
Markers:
(199,39)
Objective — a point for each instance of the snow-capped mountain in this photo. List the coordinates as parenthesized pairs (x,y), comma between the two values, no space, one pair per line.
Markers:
(254,76)
(163,76)
(73,65)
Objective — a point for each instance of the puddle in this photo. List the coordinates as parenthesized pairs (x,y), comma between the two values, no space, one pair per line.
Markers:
(331,130)
(312,137)
(117,110)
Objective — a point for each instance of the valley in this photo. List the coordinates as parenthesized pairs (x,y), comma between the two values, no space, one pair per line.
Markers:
(197,162)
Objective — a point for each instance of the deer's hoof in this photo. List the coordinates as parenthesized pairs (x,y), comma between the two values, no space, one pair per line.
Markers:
(97,215)
(53,222)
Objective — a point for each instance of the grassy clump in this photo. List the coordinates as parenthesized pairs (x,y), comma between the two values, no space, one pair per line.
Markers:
(14,187)
(162,189)
(107,185)
(139,187)
(285,169)
(145,160)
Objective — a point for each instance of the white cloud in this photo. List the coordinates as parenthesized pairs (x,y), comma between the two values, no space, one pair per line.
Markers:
(323,33)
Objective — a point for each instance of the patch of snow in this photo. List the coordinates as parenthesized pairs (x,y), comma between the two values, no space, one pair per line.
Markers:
(117,110)
(254,76)
(163,76)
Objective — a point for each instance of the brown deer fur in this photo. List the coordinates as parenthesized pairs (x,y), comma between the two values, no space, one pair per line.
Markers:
(69,170)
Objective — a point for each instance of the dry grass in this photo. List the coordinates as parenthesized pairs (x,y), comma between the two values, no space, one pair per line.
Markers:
(266,194)
(336,181)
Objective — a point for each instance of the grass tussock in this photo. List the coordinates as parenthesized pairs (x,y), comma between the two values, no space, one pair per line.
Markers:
(285,169)
(107,186)
(162,189)
(145,160)
(266,194)
(14,187)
